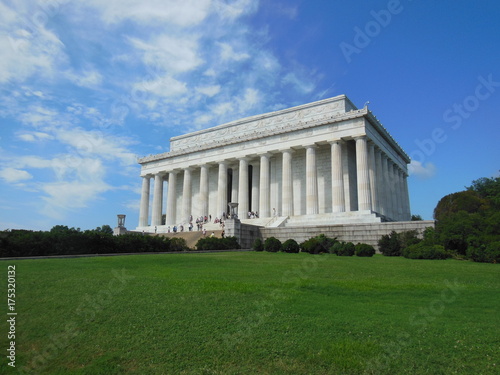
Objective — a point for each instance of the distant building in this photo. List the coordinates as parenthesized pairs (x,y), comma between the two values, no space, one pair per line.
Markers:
(321,163)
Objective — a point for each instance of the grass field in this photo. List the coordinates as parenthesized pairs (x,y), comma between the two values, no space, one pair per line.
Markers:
(253,313)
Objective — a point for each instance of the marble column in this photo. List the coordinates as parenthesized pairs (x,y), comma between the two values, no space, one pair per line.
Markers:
(287,184)
(235,183)
(255,187)
(338,197)
(363,174)
(311,181)
(406,198)
(387,185)
(243,193)
(349,190)
(380,181)
(157,200)
(264,210)
(399,184)
(372,173)
(204,190)
(186,195)
(222,190)
(171,199)
(144,209)
(394,191)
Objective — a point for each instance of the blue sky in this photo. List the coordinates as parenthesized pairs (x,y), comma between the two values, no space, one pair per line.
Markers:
(88,86)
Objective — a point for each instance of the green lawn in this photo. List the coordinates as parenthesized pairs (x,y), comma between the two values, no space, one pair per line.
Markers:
(254,313)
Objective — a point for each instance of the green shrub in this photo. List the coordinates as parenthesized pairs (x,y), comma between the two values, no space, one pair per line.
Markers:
(272,244)
(343,249)
(318,244)
(485,254)
(177,244)
(326,242)
(230,243)
(390,244)
(311,246)
(290,246)
(62,240)
(364,250)
(214,243)
(408,238)
(335,248)
(394,243)
(258,245)
(424,251)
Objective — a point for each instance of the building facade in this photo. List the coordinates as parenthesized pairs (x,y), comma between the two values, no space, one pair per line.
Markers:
(325,162)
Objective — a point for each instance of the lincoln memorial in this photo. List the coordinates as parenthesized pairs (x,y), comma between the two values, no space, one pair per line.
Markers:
(322,163)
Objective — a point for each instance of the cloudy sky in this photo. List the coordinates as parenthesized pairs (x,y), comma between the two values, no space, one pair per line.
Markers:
(88,86)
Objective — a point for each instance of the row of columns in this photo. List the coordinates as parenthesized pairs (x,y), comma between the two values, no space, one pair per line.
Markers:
(381,186)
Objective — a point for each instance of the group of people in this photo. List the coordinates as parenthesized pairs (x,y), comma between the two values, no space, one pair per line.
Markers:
(176,229)
(253,215)
(201,221)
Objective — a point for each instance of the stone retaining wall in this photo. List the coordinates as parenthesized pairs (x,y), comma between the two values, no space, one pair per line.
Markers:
(368,233)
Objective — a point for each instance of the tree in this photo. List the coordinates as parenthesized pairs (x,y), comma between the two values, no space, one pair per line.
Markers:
(272,244)
(469,201)
(105,229)
(390,244)
(416,218)
(290,246)
(488,188)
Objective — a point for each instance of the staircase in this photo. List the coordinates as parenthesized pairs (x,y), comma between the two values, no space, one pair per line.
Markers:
(353,217)
(191,237)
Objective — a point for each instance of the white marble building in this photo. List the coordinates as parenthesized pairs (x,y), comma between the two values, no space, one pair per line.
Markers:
(322,163)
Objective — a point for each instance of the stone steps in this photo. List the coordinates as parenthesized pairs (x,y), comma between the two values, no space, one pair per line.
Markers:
(352,217)
(260,222)
(190,237)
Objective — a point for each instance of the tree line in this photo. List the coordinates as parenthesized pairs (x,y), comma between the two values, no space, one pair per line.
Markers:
(61,240)
(467,227)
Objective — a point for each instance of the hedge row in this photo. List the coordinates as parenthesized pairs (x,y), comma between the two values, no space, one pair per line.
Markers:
(315,245)
(409,245)
(22,243)
(215,243)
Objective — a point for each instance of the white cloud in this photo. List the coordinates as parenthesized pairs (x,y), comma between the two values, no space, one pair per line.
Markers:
(35,136)
(301,85)
(420,170)
(202,120)
(165,86)
(86,78)
(26,48)
(231,10)
(228,53)
(12,175)
(97,144)
(65,196)
(165,53)
(38,115)
(267,62)
(209,90)
(222,109)
(144,12)
(78,181)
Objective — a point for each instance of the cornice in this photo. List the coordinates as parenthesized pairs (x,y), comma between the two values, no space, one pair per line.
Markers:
(300,125)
